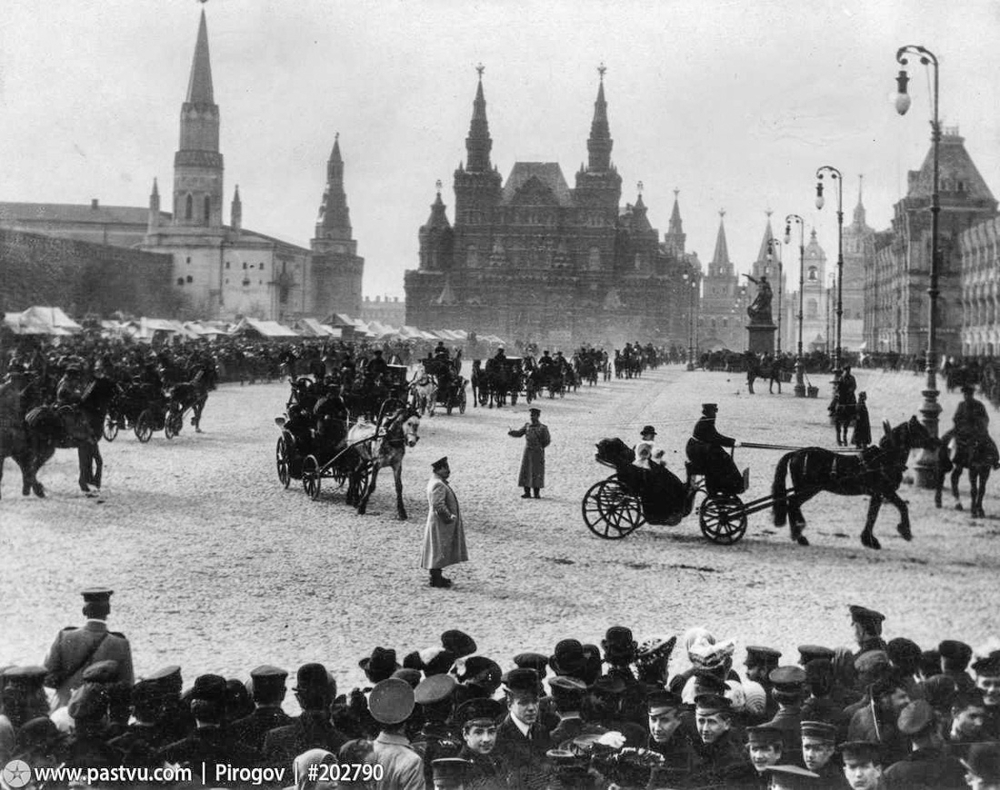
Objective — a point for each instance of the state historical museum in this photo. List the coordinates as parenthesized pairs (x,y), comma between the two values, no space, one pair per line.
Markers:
(534,260)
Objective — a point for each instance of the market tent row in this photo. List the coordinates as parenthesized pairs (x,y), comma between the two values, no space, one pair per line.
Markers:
(51,321)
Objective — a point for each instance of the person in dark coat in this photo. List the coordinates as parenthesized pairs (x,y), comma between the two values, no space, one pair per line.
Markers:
(819,747)
(478,720)
(718,756)
(862,423)
(707,455)
(268,693)
(312,729)
(444,532)
(927,766)
(531,477)
(522,741)
(210,744)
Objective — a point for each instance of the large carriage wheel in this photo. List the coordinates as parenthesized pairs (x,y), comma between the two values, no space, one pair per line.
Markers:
(144,426)
(311,480)
(461,403)
(281,462)
(609,511)
(110,429)
(172,424)
(723,518)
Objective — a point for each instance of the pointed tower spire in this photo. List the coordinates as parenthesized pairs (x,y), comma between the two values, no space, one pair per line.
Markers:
(154,208)
(765,243)
(859,210)
(200,82)
(721,256)
(675,227)
(599,144)
(675,238)
(334,221)
(236,211)
(478,143)
(198,165)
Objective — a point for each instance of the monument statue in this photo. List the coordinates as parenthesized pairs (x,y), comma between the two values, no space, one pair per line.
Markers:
(760,310)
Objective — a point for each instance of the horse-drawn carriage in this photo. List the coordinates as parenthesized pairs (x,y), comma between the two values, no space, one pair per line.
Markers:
(618,505)
(496,381)
(144,410)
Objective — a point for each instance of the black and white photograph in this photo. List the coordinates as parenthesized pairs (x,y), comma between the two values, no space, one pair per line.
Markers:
(437,395)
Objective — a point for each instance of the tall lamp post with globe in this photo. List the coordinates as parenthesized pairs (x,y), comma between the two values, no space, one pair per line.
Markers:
(835,175)
(800,384)
(926,465)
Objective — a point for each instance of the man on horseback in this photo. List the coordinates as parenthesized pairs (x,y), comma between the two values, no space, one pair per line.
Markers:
(972,427)
(69,394)
(707,455)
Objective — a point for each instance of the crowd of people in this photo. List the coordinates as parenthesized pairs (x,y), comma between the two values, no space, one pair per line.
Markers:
(623,714)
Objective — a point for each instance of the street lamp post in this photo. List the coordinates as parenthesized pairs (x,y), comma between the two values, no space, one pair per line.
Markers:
(835,175)
(692,287)
(926,465)
(800,384)
(772,245)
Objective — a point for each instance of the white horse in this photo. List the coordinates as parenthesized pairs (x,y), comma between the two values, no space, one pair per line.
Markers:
(423,392)
(387,448)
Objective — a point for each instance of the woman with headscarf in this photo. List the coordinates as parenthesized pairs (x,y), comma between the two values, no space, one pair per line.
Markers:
(312,760)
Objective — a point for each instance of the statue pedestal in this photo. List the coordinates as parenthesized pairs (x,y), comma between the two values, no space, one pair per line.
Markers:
(762,338)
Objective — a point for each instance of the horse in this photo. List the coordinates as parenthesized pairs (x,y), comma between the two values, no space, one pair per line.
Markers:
(979,457)
(386,449)
(423,392)
(192,395)
(81,429)
(480,388)
(844,415)
(14,440)
(877,472)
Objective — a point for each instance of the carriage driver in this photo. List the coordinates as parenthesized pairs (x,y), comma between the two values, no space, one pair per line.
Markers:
(707,455)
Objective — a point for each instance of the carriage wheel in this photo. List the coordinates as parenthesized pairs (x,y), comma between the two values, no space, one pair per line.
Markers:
(609,511)
(110,429)
(144,426)
(281,462)
(723,518)
(461,403)
(172,425)
(311,480)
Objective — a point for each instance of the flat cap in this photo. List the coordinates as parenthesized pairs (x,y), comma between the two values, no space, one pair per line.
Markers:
(764,735)
(794,676)
(458,642)
(521,681)
(916,717)
(107,671)
(819,730)
(88,702)
(864,615)
(535,661)
(988,666)
(758,655)
(482,711)
(661,700)
(904,653)
(809,652)
(391,701)
(93,594)
(872,661)
(983,760)
(434,688)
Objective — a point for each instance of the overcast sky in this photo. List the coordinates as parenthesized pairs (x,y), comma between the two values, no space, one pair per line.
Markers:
(735,104)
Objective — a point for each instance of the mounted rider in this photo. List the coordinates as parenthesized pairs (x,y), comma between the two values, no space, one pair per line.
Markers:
(376,366)
(972,426)
(441,353)
(707,455)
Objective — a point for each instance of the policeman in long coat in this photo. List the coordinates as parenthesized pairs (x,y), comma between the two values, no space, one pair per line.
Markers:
(444,534)
(532,474)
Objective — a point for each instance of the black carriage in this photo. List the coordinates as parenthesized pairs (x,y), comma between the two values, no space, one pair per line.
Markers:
(451,394)
(617,506)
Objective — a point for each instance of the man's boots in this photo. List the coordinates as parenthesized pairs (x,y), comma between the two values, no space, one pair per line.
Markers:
(438,579)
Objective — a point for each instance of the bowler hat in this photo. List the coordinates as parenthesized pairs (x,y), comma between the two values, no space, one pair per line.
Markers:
(312,677)
(391,701)
(618,643)
(568,658)
(955,655)
(647,429)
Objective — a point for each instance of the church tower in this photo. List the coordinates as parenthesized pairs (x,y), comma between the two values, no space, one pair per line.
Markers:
(197,163)
(721,321)
(336,268)
(477,182)
(599,185)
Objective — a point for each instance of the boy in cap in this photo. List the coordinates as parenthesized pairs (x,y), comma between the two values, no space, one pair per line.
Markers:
(819,745)
(444,533)
(863,765)
(927,765)
(391,703)
(77,648)
(764,745)
(531,476)
(718,755)
(479,720)
(867,625)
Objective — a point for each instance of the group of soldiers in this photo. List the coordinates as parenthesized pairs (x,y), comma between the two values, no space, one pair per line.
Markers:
(623,714)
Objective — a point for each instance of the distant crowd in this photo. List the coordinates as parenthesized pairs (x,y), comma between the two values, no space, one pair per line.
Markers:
(657,713)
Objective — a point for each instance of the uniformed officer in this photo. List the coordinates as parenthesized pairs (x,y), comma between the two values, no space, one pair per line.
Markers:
(867,629)
(478,720)
(391,704)
(788,690)
(667,736)
(531,476)
(436,738)
(77,648)
(707,456)
(268,687)
(819,745)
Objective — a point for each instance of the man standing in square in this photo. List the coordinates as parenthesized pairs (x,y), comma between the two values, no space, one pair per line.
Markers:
(444,534)
(536,438)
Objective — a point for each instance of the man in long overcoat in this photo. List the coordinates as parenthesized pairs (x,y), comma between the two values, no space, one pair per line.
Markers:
(444,535)
(536,438)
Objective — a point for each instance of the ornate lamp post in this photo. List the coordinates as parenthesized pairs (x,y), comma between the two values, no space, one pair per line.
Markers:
(835,175)
(772,246)
(800,384)
(692,287)
(926,465)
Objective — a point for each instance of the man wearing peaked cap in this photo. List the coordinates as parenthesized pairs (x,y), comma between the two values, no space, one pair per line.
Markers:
(867,629)
(955,658)
(478,720)
(75,648)
(436,738)
(788,690)
(764,744)
(987,669)
(719,754)
(444,532)
(863,764)
(531,476)
(23,695)
(927,765)
(819,744)
(391,702)
(808,653)
(459,643)
(522,741)
(665,718)
(268,693)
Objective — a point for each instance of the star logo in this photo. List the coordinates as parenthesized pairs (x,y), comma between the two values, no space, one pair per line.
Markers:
(17,773)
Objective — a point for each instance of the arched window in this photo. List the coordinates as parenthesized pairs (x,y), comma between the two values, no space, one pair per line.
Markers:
(812,274)
(208,209)
(188,207)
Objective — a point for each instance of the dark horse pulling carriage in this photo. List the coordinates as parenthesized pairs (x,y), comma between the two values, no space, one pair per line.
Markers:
(496,381)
